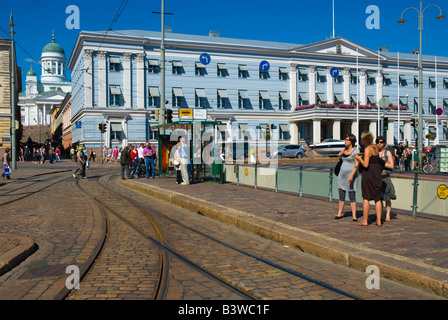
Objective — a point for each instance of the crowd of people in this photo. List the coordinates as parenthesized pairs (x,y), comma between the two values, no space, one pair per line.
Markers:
(376,165)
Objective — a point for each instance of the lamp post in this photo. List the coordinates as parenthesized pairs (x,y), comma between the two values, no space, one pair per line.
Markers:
(13,98)
(420,70)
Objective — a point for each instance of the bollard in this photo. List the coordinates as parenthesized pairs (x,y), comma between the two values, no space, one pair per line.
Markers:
(237,174)
(301,181)
(414,202)
(276,179)
(331,184)
(255,177)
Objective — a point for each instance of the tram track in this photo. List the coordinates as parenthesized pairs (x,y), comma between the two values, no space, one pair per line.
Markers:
(153,214)
(166,251)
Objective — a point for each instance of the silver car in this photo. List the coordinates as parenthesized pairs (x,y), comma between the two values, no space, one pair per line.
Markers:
(290,151)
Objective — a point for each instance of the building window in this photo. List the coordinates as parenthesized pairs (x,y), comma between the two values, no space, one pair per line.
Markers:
(321,76)
(387,80)
(153,66)
(263,100)
(222,70)
(200,69)
(445,103)
(445,83)
(283,100)
(200,100)
(243,99)
(177,97)
(302,74)
(178,67)
(416,82)
(263,74)
(432,105)
(283,73)
(115,64)
(243,72)
(432,82)
(371,79)
(222,99)
(403,81)
(115,98)
(154,97)
(303,99)
(339,79)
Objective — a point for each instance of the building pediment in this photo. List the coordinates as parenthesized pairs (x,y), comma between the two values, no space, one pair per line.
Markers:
(50,97)
(338,47)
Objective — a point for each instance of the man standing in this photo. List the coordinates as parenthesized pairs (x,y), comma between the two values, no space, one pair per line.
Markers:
(184,161)
(124,161)
(148,154)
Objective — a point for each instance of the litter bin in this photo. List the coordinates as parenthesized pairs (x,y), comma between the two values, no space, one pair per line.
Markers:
(217,169)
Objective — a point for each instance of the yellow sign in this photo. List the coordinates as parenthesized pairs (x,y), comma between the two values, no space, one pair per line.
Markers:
(246,172)
(185,113)
(442,191)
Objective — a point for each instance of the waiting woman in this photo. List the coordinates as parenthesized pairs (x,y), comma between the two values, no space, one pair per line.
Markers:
(388,187)
(372,180)
(348,176)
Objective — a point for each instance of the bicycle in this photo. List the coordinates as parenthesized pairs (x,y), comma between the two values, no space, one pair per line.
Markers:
(429,167)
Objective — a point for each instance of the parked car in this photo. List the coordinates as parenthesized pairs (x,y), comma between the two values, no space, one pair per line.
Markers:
(289,151)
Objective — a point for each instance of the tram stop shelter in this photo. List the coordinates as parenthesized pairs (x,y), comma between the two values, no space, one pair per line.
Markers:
(201,138)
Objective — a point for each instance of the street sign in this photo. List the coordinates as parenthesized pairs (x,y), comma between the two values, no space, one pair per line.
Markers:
(78,124)
(264,66)
(185,113)
(334,72)
(200,114)
(439,111)
(384,102)
(205,58)
(442,191)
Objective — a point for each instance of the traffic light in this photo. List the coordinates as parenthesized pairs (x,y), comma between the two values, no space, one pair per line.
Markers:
(169,116)
(386,123)
(102,127)
(156,114)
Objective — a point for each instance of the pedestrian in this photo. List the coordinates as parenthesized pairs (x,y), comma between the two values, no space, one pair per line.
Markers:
(6,163)
(57,153)
(372,181)
(115,154)
(124,161)
(177,161)
(185,160)
(407,158)
(348,176)
(388,187)
(148,155)
(81,164)
(252,155)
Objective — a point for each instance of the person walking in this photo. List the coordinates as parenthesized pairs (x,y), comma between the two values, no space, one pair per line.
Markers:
(185,160)
(124,161)
(148,154)
(81,164)
(372,181)
(388,187)
(177,161)
(6,162)
(348,176)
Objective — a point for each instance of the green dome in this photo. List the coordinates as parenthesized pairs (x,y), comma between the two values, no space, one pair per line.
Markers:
(31,72)
(53,47)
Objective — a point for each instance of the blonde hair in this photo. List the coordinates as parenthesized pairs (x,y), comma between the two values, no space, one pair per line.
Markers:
(368,137)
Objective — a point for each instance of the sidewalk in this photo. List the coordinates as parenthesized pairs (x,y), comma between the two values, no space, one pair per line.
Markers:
(407,249)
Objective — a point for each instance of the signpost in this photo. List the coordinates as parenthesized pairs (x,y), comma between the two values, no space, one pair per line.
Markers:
(439,111)
(264,66)
(205,59)
(334,72)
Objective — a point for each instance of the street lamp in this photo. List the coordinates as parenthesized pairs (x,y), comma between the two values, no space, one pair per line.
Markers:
(420,70)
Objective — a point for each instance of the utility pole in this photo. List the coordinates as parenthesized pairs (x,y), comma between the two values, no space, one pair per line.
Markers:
(162,69)
(13,97)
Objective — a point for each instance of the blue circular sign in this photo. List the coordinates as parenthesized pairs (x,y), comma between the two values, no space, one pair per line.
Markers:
(264,66)
(205,58)
(439,111)
(334,72)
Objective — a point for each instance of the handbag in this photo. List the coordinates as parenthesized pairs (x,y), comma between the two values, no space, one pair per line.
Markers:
(337,168)
(7,171)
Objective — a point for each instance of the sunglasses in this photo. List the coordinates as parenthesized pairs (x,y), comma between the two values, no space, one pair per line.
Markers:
(381,141)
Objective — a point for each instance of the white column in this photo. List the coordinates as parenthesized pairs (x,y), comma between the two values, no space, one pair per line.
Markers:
(354,126)
(88,78)
(337,129)
(372,128)
(44,115)
(127,89)
(294,132)
(346,85)
(102,69)
(362,87)
(293,85)
(141,81)
(37,114)
(390,132)
(330,94)
(379,85)
(316,131)
(312,81)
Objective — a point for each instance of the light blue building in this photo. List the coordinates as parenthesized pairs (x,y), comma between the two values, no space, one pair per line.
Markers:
(250,84)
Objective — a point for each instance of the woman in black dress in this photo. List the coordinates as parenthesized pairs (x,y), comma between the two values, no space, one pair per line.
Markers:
(372,180)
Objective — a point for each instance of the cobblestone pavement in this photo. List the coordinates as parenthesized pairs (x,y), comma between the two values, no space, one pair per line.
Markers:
(65,228)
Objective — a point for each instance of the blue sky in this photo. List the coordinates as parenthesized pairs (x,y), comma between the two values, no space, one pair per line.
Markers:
(298,21)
